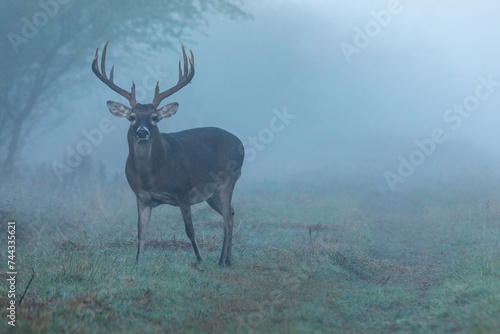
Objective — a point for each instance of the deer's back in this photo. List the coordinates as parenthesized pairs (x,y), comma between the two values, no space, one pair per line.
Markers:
(207,146)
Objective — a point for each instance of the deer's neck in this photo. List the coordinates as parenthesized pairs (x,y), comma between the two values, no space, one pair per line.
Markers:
(147,157)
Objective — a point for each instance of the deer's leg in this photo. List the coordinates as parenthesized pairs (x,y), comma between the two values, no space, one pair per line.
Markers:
(144,214)
(214,202)
(188,223)
(230,241)
(225,195)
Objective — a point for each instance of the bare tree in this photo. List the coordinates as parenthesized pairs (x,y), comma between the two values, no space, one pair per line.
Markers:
(45,48)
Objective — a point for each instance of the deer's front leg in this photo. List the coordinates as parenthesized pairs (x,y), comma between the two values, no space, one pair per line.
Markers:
(144,214)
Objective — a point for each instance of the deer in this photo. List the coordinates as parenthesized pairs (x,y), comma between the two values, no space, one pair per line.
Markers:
(181,168)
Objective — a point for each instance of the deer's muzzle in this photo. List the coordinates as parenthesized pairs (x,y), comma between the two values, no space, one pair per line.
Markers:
(142,133)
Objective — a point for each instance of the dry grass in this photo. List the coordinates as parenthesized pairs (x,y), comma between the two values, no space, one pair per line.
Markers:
(324,261)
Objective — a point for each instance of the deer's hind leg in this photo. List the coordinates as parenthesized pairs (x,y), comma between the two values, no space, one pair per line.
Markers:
(214,203)
(224,195)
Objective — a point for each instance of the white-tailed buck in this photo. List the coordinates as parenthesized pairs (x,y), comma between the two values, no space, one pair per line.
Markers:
(181,168)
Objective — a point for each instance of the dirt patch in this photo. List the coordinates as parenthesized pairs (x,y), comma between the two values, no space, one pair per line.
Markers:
(68,245)
(33,309)
(408,247)
(155,244)
(312,227)
(208,243)
(263,268)
(211,224)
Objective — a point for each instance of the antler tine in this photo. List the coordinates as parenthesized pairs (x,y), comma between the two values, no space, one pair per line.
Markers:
(111,73)
(185,60)
(157,89)
(132,92)
(103,60)
(109,82)
(180,72)
(185,77)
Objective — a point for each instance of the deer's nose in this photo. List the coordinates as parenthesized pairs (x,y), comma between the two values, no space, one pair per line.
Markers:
(142,133)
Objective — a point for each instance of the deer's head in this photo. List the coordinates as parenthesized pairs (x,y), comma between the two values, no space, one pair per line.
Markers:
(143,117)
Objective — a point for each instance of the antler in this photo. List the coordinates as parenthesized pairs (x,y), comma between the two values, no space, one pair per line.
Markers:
(184,79)
(103,77)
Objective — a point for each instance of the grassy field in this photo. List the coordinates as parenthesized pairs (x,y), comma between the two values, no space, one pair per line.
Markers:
(309,256)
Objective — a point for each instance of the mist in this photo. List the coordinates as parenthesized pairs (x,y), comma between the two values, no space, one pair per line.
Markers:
(368,199)
(359,84)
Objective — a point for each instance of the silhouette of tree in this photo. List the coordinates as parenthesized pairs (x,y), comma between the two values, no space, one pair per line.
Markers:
(46,46)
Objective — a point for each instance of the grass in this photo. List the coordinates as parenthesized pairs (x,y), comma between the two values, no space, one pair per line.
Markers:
(309,256)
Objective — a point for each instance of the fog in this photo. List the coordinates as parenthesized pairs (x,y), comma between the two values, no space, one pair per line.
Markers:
(396,90)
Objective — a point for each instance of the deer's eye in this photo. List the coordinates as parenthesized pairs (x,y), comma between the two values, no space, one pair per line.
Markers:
(132,118)
(154,118)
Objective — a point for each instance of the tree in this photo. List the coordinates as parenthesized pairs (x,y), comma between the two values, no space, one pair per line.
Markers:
(45,49)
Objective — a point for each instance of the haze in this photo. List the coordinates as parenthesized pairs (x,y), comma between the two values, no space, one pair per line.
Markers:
(322,87)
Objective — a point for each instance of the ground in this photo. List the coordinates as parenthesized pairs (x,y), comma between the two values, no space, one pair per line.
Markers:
(310,255)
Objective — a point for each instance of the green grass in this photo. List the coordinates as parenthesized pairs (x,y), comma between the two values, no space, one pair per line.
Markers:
(309,256)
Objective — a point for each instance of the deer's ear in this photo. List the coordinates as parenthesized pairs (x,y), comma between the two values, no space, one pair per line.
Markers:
(167,110)
(118,109)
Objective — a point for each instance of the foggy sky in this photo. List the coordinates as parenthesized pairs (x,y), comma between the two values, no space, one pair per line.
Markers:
(361,112)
